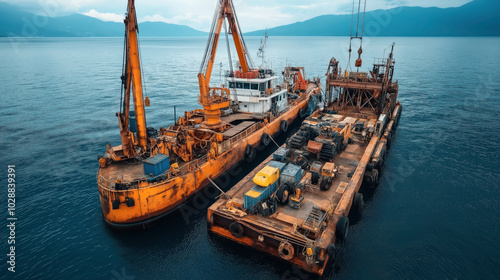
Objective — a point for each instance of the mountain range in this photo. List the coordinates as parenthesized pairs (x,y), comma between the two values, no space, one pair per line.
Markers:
(16,22)
(476,18)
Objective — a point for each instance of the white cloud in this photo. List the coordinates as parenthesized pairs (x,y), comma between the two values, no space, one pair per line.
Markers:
(155,18)
(305,6)
(104,16)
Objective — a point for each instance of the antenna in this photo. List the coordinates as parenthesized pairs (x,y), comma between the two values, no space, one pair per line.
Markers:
(220,73)
(261,53)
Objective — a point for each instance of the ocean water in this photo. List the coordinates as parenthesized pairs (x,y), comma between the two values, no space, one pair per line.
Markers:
(434,216)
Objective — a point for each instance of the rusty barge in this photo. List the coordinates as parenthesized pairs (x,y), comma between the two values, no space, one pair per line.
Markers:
(154,171)
(295,204)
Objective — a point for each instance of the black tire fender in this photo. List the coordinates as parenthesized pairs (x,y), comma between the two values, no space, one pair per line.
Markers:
(376,178)
(302,113)
(286,250)
(342,228)
(236,229)
(357,204)
(265,139)
(369,167)
(249,152)
(284,126)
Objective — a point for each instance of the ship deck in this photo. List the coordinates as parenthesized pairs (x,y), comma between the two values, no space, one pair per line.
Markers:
(287,216)
(316,222)
(126,172)
(132,171)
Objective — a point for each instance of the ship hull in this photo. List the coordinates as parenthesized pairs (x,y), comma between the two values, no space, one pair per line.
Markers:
(152,201)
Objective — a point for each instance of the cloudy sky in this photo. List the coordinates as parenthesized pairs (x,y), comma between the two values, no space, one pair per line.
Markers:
(252,14)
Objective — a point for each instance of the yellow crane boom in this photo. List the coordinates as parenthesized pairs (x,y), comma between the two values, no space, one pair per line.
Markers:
(214,99)
(132,78)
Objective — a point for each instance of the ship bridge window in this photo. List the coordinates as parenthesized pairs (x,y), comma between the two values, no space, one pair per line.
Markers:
(255,86)
(268,84)
(262,87)
(239,85)
(246,85)
(232,85)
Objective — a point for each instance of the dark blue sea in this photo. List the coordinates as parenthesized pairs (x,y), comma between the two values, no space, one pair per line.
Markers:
(435,215)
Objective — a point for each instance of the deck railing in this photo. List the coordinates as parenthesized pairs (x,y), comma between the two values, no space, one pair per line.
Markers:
(226,145)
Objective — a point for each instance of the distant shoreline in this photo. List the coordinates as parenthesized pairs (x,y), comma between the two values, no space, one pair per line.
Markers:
(477,18)
(200,36)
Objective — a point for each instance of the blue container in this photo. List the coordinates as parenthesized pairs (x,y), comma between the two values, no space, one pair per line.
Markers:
(257,194)
(276,164)
(156,164)
(292,174)
(281,154)
(132,123)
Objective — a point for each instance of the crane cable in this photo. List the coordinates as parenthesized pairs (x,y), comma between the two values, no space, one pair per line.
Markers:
(122,105)
(228,48)
(143,78)
(249,58)
(363,26)
(208,48)
(357,22)
(358,61)
(350,38)
(230,60)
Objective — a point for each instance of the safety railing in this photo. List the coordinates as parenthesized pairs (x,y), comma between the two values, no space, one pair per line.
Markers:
(226,145)
(194,164)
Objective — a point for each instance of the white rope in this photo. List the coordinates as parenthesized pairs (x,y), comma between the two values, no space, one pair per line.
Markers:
(213,183)
(269,133)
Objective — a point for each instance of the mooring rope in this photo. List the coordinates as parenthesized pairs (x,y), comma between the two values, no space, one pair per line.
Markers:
(268,130)
(213,183)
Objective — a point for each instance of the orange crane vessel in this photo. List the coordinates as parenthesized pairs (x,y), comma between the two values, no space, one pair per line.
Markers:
(154,171)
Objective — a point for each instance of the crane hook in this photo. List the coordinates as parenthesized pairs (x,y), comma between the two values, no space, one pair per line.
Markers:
(359,62)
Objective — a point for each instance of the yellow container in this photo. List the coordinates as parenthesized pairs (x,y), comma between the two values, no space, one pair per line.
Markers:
(267,176)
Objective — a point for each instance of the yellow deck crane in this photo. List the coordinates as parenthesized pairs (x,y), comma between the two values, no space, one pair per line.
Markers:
(213,99)
(131,82)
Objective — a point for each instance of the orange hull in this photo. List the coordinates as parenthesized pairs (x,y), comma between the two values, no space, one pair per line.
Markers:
(317,269)
(154,200)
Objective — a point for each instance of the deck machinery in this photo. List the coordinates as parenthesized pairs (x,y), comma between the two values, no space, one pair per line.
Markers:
(313,181)
(154,171)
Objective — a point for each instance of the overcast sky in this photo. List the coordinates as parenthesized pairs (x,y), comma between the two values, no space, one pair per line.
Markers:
(252,14)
